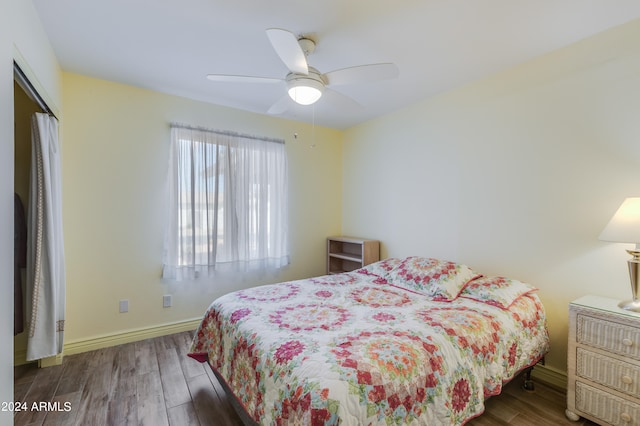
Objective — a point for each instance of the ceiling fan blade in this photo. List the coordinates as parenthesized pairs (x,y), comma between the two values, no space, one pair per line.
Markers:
(362,74)
(340,99)
(287,47)
(280,106)
(225,78)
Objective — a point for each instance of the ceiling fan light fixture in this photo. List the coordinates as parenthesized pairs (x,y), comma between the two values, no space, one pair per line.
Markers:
(304,94)
(305,89)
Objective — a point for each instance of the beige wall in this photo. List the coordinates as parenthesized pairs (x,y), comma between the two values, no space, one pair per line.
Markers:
(516,174)
(116,142)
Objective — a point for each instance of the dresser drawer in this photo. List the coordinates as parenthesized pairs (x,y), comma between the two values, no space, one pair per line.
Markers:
(619,375)
(602,405)
(610,336)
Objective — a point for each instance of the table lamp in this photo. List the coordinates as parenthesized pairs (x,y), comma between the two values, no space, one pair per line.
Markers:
(624,227)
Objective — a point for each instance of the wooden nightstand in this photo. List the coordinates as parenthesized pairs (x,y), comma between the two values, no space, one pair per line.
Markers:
(603,362)
(345,254)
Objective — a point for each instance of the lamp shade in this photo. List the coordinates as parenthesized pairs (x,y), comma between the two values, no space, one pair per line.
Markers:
(624,226)
(305,91)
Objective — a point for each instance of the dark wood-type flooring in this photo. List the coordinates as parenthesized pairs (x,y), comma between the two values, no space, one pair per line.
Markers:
(153,382)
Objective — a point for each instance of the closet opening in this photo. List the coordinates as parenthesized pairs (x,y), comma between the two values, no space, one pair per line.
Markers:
(20,78)
(27,102)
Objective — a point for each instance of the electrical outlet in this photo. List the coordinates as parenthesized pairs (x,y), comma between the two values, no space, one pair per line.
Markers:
(124,306)
(166,301)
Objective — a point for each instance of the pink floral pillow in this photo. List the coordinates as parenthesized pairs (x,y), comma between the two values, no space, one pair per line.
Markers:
(381,268)
(438,279)
(496,291)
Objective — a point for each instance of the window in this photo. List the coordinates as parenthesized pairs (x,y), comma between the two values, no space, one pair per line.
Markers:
(228,203)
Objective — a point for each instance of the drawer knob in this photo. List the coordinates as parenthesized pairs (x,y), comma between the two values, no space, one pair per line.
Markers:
(627,342)
(627,380)
(625,417)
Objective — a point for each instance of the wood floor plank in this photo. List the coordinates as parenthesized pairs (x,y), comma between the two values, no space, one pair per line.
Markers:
(76,373)
(146,359)
(500,409)
(207,404)
(190,366)
(231,416)
(488,419)
(123,403)
(516,406)
(174,384)
(64,413)
(42,389)
(182,415)
(20,390)
(24,373)
(152,410)
(153,382)
(163,343)
(543,417)
(23,379)
(94,401)
(553,399)
(216,384)
(126,360)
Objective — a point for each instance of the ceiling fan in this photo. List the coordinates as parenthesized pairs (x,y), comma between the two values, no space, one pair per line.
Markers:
(306,84)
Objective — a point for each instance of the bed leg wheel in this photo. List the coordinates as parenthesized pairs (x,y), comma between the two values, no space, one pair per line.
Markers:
(571,415)
(528,385)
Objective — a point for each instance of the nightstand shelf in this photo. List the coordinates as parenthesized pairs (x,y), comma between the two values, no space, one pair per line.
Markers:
(344,254)
(603,362)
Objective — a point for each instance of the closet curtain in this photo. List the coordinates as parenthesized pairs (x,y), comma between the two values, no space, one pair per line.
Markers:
(45,289)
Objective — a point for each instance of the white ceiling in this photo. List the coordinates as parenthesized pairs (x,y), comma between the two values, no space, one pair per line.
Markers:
(170,46)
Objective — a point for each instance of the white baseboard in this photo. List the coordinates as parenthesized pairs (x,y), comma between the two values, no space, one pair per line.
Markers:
(107,340)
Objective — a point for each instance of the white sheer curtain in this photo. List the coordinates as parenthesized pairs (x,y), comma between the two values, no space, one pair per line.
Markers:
(45,287)
(228,204)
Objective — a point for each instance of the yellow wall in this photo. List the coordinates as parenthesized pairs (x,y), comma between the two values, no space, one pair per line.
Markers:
(115,157)
(516,174)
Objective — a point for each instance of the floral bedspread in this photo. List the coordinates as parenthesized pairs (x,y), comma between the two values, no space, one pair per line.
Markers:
(352,349)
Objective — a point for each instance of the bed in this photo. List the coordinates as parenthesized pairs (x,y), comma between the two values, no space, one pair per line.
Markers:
(401,341)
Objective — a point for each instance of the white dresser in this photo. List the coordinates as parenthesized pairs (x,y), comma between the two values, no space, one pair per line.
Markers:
(603,362)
